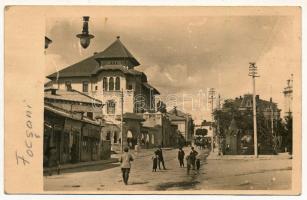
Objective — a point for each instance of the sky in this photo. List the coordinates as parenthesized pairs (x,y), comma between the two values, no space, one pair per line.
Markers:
(184,55)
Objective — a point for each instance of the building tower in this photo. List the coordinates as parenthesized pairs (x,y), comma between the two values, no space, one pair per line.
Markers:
(288,97)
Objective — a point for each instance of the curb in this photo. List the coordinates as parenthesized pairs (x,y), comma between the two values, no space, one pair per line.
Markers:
(250,158)
(82,164)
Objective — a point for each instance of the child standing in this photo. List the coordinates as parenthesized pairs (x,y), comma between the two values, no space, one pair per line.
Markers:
(154,162)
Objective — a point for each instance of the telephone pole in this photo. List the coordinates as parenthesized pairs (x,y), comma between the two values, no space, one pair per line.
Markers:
(253,74)
(122,119)
(211,97)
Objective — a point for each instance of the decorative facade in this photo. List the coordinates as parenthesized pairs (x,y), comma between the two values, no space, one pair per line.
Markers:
(110,76)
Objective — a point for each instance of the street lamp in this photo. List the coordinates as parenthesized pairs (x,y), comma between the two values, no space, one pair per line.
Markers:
(85,37)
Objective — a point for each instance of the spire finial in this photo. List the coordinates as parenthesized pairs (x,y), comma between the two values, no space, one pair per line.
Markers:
(118,37)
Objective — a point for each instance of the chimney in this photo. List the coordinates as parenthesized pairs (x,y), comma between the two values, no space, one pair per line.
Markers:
(257,97)
(270,99)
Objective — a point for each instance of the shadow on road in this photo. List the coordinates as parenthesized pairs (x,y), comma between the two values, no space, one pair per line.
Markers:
(139,183)
(182,185)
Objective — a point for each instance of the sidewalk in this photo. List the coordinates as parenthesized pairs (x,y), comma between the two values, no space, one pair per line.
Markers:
(214,156)
(81,165)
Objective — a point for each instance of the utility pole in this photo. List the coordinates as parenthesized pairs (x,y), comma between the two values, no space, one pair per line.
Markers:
(253,74)
(212,96)
(218,125)
(122,119)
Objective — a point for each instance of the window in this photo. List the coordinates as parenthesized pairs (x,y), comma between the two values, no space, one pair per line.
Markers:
(108,137)
(85,86)
(110,107)
(89,115)
(105,83)
(115,137)
(96,87)
(129,87)
(117,83)
(68,85)
(111,84)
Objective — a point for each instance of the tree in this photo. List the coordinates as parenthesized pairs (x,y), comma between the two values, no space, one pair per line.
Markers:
(244,120)
(289,133)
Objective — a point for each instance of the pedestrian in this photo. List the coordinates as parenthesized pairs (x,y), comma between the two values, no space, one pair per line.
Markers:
(125,161)
(197,164)
(154,162)
(160,158)
(181,157)
(188,158)
(193,155)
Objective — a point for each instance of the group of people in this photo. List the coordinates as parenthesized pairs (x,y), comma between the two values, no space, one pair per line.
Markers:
(192,160)
(157,159)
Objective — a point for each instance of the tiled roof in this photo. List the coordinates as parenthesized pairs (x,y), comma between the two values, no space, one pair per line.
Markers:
(179,113)
(173,117)
(89,65)
(83,68)
(71,95)
(117,68)
(151,88)
(117,50)
(247,102)
(65,113)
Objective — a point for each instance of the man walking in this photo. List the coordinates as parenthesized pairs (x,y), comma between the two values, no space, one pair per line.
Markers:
(125,160)
(193,155)
(160,158)
(181,157)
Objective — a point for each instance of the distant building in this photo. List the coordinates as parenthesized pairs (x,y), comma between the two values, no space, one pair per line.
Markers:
(268,108)
(204,134)
(158,130)
(184,122)
(288,97)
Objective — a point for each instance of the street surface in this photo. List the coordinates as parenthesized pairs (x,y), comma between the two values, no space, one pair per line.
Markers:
(214,174)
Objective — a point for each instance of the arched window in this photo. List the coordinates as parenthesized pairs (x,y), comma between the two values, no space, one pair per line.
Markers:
(105,83)
(117,83)
(111,83)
